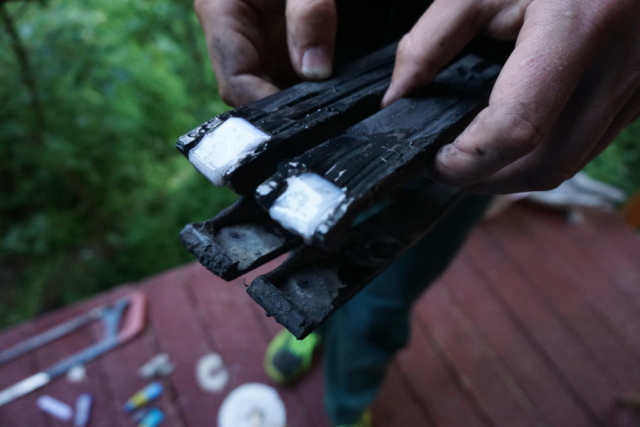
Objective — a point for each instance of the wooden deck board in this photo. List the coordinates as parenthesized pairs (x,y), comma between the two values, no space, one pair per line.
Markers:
(621,265)
(486,379)
(548,334)
(180,334)
(539,382)
(620,311)
(426,372)
(311,391)
(585,239)
(396,406)
(535,324)
(121,365)
(548,276)
(241,341)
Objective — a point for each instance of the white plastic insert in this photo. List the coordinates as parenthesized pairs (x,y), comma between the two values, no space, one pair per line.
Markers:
(308,200)
(224,147)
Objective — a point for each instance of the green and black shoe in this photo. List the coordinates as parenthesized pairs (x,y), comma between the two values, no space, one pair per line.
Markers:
(365,421)
(287,359)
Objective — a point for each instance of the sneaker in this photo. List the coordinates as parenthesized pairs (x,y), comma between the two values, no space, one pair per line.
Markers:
(288,358)
(365,421)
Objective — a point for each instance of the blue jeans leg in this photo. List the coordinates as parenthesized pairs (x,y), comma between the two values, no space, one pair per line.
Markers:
(366,333)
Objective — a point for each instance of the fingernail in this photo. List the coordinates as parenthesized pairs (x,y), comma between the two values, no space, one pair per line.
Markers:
(386,99)
(316,63)
(389,97)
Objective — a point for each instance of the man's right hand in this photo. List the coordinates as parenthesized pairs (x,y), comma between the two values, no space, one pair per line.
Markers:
(258,47)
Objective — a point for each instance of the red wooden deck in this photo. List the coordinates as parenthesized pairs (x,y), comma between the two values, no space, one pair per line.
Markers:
(537,323)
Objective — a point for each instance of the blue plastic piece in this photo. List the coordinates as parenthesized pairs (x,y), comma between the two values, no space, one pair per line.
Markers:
(144,396)
(153,418)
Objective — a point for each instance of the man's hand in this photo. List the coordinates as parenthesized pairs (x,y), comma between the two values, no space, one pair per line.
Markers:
(258,47)
(570,86)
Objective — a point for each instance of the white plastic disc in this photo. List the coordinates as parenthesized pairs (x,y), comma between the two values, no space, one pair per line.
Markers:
(252,405)
(211,373)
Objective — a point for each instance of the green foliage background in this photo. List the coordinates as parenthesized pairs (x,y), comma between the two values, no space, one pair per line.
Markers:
(96,194)
(100,198)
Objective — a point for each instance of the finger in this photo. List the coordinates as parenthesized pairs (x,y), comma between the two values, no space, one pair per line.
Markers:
(605,101)
(240,78)
(227,26)
(532,90)
(311,33)
(442,31)
(626,118)
(629,61)
(246,88)
(575,142)
(586,117)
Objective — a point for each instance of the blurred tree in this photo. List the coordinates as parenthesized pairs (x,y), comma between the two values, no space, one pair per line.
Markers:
(620,163)
(92,191)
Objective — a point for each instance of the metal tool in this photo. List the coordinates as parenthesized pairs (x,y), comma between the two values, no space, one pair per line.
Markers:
(116,331)
(51,335)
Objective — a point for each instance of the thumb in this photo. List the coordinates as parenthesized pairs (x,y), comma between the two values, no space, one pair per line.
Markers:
(311,33)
